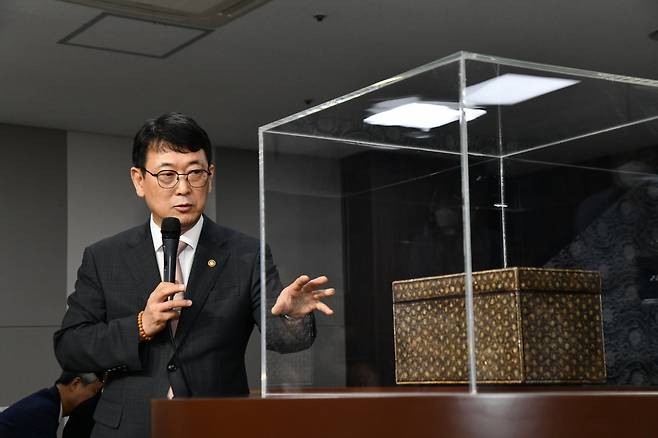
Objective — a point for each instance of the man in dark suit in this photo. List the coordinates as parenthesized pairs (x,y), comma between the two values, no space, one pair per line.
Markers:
(184,339)
(39,415)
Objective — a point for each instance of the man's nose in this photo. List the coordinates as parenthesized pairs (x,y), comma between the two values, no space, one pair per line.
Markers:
(183,185)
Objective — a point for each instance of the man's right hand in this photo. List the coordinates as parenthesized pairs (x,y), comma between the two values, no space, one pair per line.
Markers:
(159,309)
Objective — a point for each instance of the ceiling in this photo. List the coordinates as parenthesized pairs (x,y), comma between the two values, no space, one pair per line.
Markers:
(279,59)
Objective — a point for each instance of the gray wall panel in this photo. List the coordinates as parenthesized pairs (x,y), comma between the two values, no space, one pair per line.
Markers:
(28,362)
(236,194)
(102,199)
(237,189)
(33,220)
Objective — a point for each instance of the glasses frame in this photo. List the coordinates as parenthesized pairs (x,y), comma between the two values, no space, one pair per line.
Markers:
(178,175)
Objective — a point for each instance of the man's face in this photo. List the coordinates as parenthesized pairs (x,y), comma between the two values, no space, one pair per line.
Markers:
(182,201)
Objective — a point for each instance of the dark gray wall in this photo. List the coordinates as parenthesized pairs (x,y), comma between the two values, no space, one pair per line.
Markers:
(33,256)
(101,197)
(236,189)
(236,194)
(294,237)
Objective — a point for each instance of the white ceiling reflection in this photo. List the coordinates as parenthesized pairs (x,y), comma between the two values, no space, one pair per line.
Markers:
(421,115)
(508,89)
(512,88)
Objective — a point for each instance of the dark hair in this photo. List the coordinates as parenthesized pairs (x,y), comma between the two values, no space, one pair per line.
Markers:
(67,377)
(171,131)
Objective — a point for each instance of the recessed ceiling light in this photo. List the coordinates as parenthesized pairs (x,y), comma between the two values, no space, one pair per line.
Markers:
(654,35)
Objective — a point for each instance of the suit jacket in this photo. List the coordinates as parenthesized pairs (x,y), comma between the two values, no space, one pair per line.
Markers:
(99,330)
(35,416)
(81,421)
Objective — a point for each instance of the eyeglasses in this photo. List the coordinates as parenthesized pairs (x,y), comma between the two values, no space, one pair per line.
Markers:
(167,179)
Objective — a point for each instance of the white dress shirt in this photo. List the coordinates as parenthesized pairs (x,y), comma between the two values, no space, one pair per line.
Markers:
(191,237)
(62,421)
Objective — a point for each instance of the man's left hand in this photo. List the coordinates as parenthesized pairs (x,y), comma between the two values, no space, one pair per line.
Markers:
(302,297)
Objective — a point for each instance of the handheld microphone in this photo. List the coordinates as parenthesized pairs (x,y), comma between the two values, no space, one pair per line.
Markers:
(170,237)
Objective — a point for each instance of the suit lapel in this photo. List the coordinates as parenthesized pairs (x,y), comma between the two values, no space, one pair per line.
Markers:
(142,263)
(203,276)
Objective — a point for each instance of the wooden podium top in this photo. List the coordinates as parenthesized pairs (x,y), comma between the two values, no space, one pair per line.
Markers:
(444,412)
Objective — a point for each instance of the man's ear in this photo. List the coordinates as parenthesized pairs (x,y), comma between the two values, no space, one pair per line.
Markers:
(77,381)
(212,170)
(137,177)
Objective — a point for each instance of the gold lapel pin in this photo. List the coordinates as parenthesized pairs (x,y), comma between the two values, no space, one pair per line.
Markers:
(212,263)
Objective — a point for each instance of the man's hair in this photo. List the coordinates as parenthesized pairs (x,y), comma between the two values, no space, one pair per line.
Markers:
(171,131)
(67,377)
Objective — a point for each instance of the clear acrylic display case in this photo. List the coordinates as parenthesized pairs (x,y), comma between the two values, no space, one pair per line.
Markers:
(468,163)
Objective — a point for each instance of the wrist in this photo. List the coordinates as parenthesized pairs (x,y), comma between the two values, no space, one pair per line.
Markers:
(140,327)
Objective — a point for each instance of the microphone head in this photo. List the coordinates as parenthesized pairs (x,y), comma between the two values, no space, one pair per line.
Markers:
(170,228)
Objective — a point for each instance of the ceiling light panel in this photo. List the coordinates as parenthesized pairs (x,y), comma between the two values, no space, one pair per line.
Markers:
(183,6)
(207,14)
(133,36)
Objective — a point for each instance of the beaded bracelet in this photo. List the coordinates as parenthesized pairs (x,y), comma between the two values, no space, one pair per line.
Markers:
(142,334)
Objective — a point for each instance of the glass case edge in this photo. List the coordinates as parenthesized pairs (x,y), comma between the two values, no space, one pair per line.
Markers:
(365,90)
(380,145)
(263,282)
(466,218)
(559,69)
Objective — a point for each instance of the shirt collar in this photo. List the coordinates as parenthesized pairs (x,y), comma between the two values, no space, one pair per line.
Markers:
(191,236)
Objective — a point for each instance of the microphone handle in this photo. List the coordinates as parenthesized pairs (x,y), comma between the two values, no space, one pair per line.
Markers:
(170,247)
